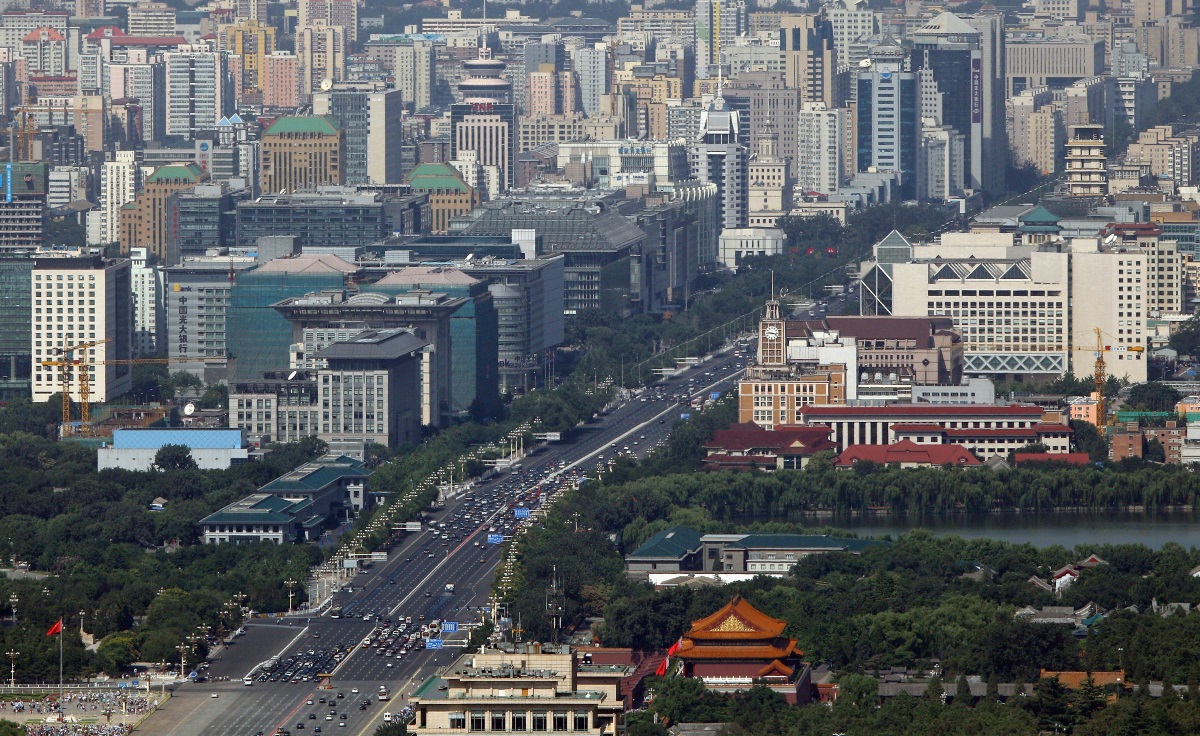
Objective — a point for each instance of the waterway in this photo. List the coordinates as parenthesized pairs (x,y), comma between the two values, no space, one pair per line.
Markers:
(1042,530)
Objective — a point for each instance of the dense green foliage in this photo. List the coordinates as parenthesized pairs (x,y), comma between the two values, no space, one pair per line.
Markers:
(95,546)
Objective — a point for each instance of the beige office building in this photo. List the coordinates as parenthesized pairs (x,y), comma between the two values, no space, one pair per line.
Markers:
(1048,62)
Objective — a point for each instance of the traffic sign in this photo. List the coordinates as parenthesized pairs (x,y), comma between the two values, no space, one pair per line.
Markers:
(685,415)
(521,513)
(433,643)
(715,395)
(495,539)
(449,627)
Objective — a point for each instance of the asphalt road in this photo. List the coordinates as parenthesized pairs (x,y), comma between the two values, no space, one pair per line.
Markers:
(412,583)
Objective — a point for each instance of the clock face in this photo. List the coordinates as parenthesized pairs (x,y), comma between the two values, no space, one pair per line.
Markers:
(772,332)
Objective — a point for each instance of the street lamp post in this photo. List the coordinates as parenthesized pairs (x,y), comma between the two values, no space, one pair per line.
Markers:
(291,593)
(182,649)
(12,668)
(13,600)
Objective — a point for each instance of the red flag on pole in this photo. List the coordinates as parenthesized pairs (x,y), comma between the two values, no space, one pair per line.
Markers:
(662,668)
(55,629)
(675,647)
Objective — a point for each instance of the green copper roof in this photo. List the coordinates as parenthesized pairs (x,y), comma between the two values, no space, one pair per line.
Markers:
(1038,216)
(313,124)
(672,543)
(442,178)
(176,172)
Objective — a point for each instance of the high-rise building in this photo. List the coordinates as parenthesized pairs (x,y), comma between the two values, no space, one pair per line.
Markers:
(591,66)
(119,180)
(301,152)
(199,91)
(415,76)
(1036,133)
(149,318)
(146,83)
(888,116)
(201,219)
(343,13)
(144,220)
(849,25)
(718,26)
(370,119)
(196,300)
(81,277)
(45,53)
(281,81)
(1087,162)
(718,156)
(253,41)
(818,165)
(485,121)
(67,184)
(16,344)
(941,162)
(322,51)
(151,20)
(810,57)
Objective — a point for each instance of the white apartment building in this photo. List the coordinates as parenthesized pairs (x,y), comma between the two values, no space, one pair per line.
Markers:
(118,185)
(149,317)
(820,137)
(850,25)
(941,162)
(1119,312)
(81,297)
(199,91)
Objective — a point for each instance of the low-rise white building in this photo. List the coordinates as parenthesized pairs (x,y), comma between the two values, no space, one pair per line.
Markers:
(745,242)
(211,449)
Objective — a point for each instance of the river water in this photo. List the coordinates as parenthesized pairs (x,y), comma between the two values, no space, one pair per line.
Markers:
(1041,530)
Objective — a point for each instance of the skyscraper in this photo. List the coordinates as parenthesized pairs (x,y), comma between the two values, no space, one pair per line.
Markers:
(717,156)
(809,58)
(199,91)
(818,165)
(371,120)
(718,25)
(591,66)
(414,73)
(888,116)
(485,121)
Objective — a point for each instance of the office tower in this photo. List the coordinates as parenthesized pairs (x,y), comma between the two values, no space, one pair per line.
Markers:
(16,328)
(302,152)
(341,13)
(281,81)
(67,184)
(888,123)
(809,57)
(717,156)
(144,224)
(201,219)
(415,73)
(81,277)
(485,121)
(253,41)
(1087,163)
(718,26)
(199,91)
(149,319)
(818,164)
(322,52)
(851,24)
(370,119)
(196,297)
(152,20)
(1036,131)
(941,162)
(591,66)
(145,83)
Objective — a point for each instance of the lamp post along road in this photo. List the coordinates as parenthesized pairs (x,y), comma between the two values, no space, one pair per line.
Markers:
(12,668)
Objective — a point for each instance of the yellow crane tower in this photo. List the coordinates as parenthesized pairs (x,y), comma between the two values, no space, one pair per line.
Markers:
(1100,369)
(66,363)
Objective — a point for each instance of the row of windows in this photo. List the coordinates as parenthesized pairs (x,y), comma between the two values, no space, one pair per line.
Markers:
(537,721)
(70,277)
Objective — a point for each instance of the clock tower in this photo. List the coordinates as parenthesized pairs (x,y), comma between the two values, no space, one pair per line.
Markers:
(772,340)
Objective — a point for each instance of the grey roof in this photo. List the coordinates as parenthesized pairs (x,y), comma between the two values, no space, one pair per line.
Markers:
(374,345)
(259,508)
(561,224)
(317,475)
(803,541)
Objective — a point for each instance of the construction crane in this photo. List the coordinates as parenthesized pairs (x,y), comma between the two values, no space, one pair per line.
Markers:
(1100,369)
(65,362)
(84,364)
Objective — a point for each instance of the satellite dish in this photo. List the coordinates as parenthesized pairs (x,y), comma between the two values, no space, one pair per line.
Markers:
(326,84)
(189,409)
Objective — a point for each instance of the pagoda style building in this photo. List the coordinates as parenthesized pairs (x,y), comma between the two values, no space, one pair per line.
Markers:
(739,647)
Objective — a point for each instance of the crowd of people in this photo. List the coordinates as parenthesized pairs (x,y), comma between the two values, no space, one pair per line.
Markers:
(77,729)
(80,702)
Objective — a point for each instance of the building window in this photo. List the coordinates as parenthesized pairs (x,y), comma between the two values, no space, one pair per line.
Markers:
(520,722)
(581,721)
(560,721)
(498,722)
(478,721)
(539,721)
(458,720)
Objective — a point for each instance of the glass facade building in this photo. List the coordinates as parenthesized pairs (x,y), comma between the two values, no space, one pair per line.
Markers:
(15,327)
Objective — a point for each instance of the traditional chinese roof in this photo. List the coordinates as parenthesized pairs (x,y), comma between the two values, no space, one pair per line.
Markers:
(736,621)
(788,440)
(907,451)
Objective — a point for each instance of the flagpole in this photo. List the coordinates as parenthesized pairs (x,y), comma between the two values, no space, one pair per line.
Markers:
(62,706)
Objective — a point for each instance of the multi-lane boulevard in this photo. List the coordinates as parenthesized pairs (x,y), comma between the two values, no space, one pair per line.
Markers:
(413,582)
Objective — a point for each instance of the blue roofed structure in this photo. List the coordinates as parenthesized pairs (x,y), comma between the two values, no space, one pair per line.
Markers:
(211,448)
